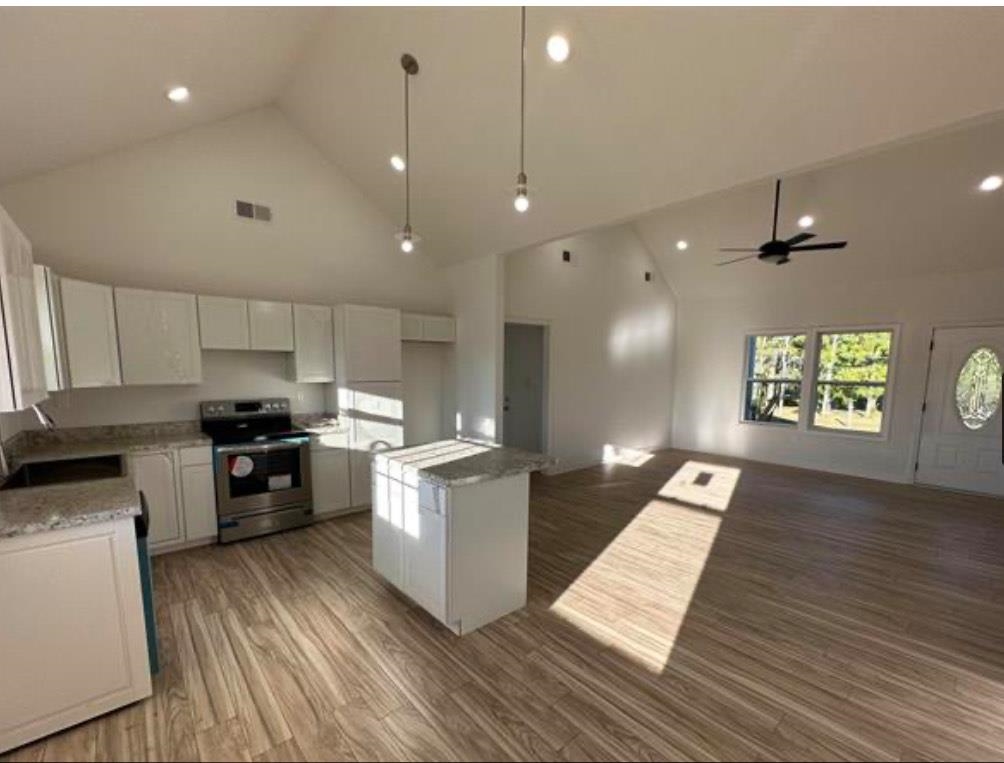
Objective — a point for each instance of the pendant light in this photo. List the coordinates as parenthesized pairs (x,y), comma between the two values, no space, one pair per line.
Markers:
(406,237)
(522,200)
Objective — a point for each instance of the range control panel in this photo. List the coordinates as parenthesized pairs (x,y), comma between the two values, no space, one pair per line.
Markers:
(244,409)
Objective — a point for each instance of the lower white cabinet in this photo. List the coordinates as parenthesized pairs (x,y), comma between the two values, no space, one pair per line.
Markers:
(329,473)
(180,493)
(73,640)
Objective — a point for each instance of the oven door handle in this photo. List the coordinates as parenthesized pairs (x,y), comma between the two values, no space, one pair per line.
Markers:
(264,447)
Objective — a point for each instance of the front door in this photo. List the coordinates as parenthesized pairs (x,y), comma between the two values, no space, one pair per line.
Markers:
(960,446)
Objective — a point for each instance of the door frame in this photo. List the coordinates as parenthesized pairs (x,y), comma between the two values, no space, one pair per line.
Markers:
(919,433)
(547,414)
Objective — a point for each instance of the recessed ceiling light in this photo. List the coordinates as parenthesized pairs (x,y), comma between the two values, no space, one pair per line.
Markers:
(682,245)
(397,163)
(178,94)
(991,183)
(806,221)
(558,48)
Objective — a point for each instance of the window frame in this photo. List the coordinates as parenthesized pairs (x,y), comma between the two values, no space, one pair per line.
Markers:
(810,376)
(745,379)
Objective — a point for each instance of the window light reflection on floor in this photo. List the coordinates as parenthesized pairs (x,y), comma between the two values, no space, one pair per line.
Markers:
(634,596)
(615,454)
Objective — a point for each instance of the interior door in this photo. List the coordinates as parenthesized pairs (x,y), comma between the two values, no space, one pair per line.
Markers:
(960,445)
(523,406)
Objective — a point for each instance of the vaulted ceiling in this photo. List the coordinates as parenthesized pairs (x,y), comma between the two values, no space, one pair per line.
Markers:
(655,106)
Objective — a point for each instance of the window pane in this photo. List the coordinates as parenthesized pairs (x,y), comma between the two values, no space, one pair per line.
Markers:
(776,356)
(978,388)
(854,357)
(849,407)
(774,402)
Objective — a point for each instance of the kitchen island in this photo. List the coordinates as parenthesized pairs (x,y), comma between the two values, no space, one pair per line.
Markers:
(450,527)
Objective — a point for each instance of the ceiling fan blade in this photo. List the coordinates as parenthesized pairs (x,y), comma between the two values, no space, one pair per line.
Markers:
(818,247)
(737,249)
(737,259)
(799,238)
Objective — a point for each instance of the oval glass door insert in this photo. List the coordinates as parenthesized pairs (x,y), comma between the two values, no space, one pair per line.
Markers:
(978,388)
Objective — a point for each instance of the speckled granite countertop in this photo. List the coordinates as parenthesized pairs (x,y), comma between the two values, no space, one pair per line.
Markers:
(71,504)
(320,423)
(55,507)
(454,463)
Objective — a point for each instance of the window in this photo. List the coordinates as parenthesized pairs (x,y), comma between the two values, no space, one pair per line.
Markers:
(977,390)
(852,369)
(773,380)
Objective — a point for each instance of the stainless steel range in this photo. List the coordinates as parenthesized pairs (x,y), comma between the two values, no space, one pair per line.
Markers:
(262,467)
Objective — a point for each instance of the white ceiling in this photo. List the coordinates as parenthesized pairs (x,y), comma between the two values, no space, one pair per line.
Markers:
(76,82)
(655,105)
(909,210)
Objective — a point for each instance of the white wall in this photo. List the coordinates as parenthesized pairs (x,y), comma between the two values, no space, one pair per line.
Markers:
(710,357)
(611,341)
(161,215)
(477,287)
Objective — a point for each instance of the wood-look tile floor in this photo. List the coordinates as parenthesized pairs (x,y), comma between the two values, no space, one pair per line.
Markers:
(816,617)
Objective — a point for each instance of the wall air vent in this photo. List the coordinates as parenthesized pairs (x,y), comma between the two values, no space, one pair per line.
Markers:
(253,211)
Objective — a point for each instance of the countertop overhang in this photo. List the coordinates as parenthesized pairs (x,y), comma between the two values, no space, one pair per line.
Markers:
(454,463)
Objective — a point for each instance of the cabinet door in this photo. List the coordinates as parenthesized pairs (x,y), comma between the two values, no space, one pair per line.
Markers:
(158,337)
(329,475)
(314,353)
(198,496)
(92,350)
(24,380)
(372,343)
(50,324)
(153,474)
(223,323)
(411,327)
(387,517)
(271,325)
(438,328)
(424,558)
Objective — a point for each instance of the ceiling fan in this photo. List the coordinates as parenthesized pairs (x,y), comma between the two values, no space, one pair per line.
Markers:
(777,251)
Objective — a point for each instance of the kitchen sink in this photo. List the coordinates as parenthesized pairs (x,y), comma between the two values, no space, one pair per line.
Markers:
(39,473)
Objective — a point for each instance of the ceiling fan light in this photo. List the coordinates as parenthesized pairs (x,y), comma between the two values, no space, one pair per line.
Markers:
(991,183)
(806,221)
(682,245)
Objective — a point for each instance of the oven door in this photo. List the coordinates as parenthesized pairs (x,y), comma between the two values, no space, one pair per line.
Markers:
(261,476)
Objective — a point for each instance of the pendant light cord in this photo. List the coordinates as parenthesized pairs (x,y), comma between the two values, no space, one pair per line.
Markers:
(522,89)
(407,154)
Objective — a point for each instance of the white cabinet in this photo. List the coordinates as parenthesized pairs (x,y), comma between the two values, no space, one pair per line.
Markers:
(314,350)
(271,325)
(427,328)
(374,412)
(223,323)
(198,493)
(158,337)
(329,473)
(73,641)
(22,381)
(423,558)
(154,475)
(50,324)
(92,350)
(368,343)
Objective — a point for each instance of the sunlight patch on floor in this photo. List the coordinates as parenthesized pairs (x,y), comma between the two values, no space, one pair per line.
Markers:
(635,595)
(615,454)
(702,484)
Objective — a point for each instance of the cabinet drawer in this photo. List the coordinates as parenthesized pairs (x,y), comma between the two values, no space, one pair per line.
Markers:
(198,456)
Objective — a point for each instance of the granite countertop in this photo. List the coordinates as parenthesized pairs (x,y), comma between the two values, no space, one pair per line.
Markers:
(72,504)
(454,463)
(55,507)
(320,424)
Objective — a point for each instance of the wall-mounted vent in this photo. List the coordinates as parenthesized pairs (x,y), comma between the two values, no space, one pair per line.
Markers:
(648,275)
(253,211)
(566,256)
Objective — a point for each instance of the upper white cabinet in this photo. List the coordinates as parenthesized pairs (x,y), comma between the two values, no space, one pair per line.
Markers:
(427,328)
(50,324)
(223,323)
(368,343)
(271,325)
(314,351)
(158,337)
(22,372)
(92,350)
